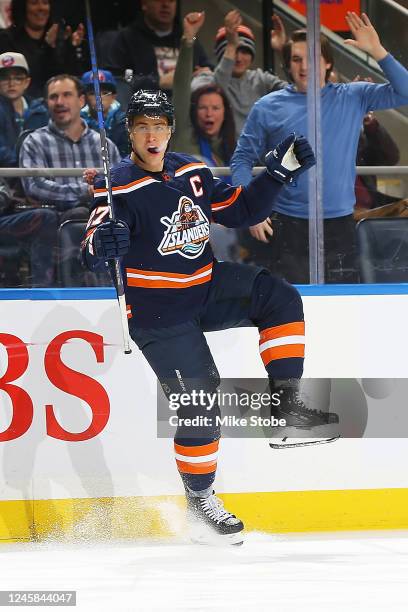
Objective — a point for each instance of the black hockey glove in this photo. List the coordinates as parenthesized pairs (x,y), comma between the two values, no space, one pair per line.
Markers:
(111,239)
(290,158)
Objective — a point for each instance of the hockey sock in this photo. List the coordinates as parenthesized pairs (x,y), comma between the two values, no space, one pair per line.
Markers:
(197,464)
(277,310)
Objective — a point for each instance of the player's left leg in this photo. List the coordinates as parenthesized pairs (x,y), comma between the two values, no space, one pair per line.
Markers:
(243,295)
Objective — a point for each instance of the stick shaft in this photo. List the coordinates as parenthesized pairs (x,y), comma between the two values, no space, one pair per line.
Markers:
(108,183)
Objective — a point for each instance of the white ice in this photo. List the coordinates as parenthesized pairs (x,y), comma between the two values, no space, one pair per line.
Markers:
(322,572)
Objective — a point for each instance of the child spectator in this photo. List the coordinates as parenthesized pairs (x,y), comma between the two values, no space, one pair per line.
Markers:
(235,51)
(16,108)
(114,117)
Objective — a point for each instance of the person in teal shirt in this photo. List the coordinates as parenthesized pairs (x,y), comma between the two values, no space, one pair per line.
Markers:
(343,107)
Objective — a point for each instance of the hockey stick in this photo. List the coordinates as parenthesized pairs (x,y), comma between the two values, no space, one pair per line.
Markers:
(120,291)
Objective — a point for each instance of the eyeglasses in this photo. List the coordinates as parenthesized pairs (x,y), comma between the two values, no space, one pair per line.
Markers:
(17,78)
(103,93)
(150,129)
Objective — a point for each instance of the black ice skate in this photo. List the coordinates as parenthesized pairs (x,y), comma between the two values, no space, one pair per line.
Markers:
(210,523)
(304,426)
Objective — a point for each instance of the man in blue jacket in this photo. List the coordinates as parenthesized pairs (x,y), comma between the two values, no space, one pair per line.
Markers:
(343,108)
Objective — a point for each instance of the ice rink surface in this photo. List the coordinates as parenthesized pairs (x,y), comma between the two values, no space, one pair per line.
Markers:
(313,572)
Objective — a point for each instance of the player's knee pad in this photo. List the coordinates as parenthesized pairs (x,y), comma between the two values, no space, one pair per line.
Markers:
(274,299)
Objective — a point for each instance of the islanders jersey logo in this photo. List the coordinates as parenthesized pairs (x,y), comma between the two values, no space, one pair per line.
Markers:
(187,232)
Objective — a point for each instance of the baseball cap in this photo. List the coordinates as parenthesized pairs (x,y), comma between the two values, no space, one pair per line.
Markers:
(10,59)
(105,78)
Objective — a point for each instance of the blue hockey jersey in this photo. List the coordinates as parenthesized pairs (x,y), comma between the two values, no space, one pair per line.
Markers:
(167,270)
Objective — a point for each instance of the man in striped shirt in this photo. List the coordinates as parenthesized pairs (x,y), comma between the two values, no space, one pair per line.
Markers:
(66,142)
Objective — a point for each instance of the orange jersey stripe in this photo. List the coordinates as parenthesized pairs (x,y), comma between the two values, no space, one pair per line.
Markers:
(166,284)
(191,165)
(197,451)
(280,331)
(168,280)
(132,184)
(168,274)
(221,205)
(283,352)
(196,468)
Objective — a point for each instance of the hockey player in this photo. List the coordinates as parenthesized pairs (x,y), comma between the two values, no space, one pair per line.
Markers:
(175,290)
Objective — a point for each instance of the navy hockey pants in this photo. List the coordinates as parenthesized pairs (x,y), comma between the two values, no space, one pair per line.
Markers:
(239,296)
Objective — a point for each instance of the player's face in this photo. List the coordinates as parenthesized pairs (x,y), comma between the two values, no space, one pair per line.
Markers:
(149,137)
(243,61)
(210,114)
(13,83)
(37,13)
(160,14)
(299,66)
(108,97)
(64,103)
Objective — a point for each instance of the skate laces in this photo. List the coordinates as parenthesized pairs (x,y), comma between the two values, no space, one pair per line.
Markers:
(214,509)
(301,404)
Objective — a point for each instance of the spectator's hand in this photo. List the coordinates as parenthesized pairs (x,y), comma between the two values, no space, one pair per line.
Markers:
(89,175)
(261,231)
(201,69)
(78,36)
(232,20)
(278,33)
(290,158)
(166,79)
(192,24)
(366,37)
(370,120)
(91,191)
(359,78)
(51,35)
(111,239)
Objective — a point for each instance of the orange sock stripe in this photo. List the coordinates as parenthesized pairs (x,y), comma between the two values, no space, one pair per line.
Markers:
(196,468)
(279,331)
(283,352)
(197,451)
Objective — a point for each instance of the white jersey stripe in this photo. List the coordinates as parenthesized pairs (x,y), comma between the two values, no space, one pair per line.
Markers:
(281,342)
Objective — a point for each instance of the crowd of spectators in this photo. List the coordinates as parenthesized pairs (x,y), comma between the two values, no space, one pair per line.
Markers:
(228,113)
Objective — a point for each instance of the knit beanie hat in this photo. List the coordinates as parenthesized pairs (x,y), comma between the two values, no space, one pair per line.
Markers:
(246,41)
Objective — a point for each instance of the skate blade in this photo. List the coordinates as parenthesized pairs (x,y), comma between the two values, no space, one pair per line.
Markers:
(328,430)
(232,539)
(299,442)
(201,534)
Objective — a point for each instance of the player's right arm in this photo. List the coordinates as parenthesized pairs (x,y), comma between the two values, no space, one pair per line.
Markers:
(106,239)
